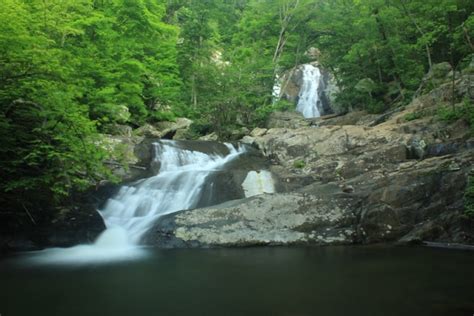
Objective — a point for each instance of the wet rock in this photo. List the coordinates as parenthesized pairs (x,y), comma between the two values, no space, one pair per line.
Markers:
(78,224)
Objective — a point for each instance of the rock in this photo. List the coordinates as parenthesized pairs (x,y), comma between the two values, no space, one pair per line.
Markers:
(119,130)
(168,129)
(147,130)
(417,148)
(313,53)
(397,180)
(286,120)
(78,224)
(257,132)
(249,140)
(347,188)
(453,166)
(165,129)
(131,156)
(238,134)
(278,219)
(181,134)
(209,137)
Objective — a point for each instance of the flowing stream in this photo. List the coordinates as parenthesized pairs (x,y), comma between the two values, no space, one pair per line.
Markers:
(131,212)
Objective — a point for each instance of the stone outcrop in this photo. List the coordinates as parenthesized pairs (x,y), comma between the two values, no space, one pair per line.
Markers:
(282,219)
(346,179)
(165,129)
(78,224)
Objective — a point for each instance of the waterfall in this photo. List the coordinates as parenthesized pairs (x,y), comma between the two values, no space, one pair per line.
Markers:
(308,97)
(131,212)
(177,186)
(276,91)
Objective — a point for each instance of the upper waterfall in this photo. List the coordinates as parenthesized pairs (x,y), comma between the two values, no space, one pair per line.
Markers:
(308,97)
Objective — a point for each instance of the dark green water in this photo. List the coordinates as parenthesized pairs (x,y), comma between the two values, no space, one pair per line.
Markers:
(255,281)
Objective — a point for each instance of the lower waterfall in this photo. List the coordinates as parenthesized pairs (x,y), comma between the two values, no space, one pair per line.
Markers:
(177,186)
(130,213)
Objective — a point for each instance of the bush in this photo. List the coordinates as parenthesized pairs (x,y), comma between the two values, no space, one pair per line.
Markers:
(413,116)
(199,128)
(299,164)
(465,111)
(162,116)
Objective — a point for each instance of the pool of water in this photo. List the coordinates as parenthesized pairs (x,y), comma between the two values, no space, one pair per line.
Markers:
(252,281)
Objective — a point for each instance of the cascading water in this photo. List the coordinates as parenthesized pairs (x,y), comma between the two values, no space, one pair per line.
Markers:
(177,186)
(131,212)
(308,97)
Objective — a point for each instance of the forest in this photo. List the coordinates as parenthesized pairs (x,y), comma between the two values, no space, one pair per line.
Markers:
(73,70)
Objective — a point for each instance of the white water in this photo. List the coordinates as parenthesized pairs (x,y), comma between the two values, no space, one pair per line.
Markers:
(258,182)
(276,92)
(177,186)
(308,97)
(132,211)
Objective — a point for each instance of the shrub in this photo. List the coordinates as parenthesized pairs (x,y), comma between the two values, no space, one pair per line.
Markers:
(413,116)
(299,164)
(465,111)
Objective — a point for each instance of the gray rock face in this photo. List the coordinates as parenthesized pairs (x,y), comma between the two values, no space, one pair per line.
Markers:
(279,219)
(345,182)
(420,201)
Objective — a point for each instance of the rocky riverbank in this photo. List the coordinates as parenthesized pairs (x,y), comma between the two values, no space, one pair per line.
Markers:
(356,178)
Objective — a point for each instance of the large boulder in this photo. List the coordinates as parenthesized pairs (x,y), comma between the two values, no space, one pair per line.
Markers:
(279,219)
(165,129)
(286,120)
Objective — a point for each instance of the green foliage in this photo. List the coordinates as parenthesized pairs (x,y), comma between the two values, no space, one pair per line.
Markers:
(163,116)
(68,69)
(199,128)
(299,164)
(464,111)
(413,116)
